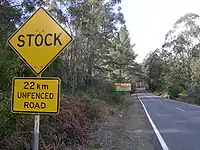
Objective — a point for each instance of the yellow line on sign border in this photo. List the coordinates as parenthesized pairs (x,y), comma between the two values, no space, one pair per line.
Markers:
(36,78)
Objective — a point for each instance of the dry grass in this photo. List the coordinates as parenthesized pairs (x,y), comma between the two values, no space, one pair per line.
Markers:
(161,94)
(67,130)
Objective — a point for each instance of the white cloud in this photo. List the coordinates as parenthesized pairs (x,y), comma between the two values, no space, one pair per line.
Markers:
(149,20)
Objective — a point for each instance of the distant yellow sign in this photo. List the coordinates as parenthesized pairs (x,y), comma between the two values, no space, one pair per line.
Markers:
(35,95)
(39,40)
(123,87)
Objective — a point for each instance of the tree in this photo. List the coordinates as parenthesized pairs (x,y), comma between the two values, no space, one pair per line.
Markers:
(152,67)
(183,45)
(178,58)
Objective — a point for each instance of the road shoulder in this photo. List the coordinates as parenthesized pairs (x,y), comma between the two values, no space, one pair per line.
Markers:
(128,129)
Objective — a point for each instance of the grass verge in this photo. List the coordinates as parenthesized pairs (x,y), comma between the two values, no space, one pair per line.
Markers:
(70,129)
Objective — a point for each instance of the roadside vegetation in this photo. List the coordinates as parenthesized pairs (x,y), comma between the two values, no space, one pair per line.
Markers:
(100,55)
(174,69)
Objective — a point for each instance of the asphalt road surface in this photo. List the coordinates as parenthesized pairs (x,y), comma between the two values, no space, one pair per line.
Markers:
(176,124)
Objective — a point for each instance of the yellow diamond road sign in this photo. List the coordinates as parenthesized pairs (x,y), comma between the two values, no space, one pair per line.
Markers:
(39,40)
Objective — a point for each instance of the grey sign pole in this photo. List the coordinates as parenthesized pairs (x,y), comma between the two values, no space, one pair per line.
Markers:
(36,132)
(36,128)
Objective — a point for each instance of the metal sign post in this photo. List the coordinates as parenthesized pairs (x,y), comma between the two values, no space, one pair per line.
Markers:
(36,127)
(36,132)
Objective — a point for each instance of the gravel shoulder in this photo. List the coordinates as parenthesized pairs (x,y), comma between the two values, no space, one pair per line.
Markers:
(129,129)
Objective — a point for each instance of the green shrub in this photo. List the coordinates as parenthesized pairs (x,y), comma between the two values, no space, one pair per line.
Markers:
(174,91)
(9,121)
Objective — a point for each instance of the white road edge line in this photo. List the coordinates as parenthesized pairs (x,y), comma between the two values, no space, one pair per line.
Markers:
(180,109)
(161,140)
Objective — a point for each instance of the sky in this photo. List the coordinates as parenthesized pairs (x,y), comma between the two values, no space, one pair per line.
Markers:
(148,21)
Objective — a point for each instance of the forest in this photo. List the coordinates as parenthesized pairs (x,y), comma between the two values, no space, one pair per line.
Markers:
(174,68)
(100,55)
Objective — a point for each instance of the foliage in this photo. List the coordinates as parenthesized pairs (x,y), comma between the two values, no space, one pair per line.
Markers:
(177,69)
(68,129)
(100,55)
(153,70)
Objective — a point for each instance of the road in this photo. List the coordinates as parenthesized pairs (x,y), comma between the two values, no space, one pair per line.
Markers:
(177,123)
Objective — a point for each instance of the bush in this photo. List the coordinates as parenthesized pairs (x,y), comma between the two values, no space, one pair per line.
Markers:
(69,129)
(174,91)
(9,121)
(106,92)
(193,94)
(112,97)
